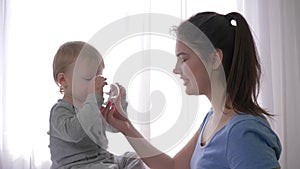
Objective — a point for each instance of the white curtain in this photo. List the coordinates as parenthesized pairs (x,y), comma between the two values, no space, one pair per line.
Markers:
(276,27)
(2,74)
(32,30)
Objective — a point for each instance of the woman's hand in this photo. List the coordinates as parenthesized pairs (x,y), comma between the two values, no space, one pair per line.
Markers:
(122,93)
(117,118)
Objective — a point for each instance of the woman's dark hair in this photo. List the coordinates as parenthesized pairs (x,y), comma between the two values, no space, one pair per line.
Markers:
(240,59)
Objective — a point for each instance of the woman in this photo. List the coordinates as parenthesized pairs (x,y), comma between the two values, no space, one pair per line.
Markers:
(216,57)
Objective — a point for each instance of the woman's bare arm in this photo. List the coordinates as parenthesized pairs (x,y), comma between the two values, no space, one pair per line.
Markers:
(156,159)
(183,158)
(153,157)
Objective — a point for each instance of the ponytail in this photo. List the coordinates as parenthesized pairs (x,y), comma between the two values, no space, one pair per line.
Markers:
(243,80)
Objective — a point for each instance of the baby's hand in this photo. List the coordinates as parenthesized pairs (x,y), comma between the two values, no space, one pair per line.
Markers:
(97,84)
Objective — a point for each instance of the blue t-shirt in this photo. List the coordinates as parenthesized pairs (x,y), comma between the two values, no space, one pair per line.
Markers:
(245,142)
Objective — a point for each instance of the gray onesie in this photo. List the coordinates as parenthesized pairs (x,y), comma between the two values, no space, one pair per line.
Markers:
(78,139)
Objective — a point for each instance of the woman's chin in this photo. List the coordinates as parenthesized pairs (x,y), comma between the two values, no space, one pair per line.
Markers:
(190,91)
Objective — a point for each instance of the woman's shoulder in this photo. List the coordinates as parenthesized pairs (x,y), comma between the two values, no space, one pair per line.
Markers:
(252,135)
(249,128)
(246,122)
(242,125)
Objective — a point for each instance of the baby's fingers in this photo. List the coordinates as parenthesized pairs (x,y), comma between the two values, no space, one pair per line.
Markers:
(100,81)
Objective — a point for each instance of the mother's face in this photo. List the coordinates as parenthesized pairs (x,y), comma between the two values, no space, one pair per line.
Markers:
(191,70)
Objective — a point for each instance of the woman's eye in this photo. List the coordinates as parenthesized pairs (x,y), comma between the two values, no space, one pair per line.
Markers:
(87,79)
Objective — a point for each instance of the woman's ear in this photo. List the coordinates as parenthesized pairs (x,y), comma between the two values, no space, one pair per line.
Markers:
(216,57)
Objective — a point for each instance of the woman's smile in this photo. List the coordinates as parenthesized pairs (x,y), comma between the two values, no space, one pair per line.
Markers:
(185,81)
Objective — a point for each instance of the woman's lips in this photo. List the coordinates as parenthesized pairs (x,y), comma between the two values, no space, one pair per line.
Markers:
(185,81)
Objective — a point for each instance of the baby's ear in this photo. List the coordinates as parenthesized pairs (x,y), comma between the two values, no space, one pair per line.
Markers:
(216,58)
(61,80)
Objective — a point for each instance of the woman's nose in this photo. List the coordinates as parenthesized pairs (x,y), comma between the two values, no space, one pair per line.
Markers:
(176,70)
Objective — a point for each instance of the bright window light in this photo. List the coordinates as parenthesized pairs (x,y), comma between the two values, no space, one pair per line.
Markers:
(35,31)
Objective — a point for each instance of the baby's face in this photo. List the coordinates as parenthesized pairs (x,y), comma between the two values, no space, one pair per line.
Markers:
(83,74)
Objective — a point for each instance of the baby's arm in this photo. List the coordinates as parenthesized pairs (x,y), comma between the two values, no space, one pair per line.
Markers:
(89,114)
(92,121)
(72,125)
(64,124)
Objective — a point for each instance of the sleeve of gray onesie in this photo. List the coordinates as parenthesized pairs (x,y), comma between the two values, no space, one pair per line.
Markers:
(92,121)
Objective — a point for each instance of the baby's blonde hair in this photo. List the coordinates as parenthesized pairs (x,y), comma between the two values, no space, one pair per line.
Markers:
(67,55)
